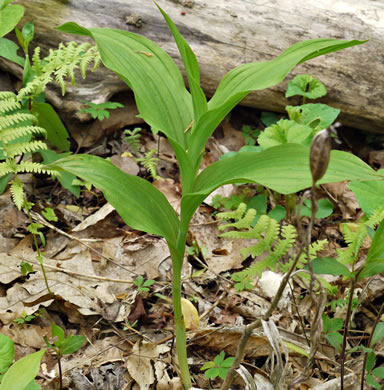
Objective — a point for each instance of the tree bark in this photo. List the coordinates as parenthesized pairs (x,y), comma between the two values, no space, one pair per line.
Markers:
(227,33)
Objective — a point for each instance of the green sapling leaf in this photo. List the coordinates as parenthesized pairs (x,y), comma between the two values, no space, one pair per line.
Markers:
(329,266)
(378,334)
(7,352)
(71,344)
(283,132)
(316,116)
(307,86)
(21,373)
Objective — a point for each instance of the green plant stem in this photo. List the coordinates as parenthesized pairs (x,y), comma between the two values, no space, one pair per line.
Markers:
(346,326)
(39,254)
(369,344)
(60,371)
(181,335)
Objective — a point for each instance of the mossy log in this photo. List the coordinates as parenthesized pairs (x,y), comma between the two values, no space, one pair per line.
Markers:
(225,34)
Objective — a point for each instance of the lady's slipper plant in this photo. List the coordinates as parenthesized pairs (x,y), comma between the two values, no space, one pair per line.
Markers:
(188,120)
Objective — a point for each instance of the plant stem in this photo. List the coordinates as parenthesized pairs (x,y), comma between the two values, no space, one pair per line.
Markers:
(39,256)
(346,326)
(181,335)
(60,370)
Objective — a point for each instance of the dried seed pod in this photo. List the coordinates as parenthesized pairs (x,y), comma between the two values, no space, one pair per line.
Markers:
(320,154)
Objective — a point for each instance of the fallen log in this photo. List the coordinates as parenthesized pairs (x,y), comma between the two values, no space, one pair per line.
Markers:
(225,34)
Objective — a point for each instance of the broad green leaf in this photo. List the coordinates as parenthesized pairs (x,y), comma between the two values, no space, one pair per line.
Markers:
(141,205)
(372,268)
(376,251)
(208,365)
(317,116)
(239,82)
(283,168)
(260,75)
(7,352)
(329,266)
(66,179)
(369,194)
(378,334)
(9,17)
(379,372)
(335,339)
(307,86)
(21,373)
(59,333)
(71,344)
(372,382)
(370,363)
(283,132)
(155,79)
(269,118)
(191,67)
(48,119)
(32,386)
(325,208)
(8,50)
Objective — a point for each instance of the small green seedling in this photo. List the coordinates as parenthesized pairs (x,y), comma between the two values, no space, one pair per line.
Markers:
(250,135)
(219,367)
(370,368)
(26,268)
(63,346)
(133,139)
(142,285)
(331,328)
(24,318)
(100,110)
(196,250)
(21,374)
(149,162)
(49,214)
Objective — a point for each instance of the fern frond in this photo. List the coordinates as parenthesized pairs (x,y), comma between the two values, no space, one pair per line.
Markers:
(17,193)
(150,163)
(32,167)
(13,150)
(9,105)
(17,118)
(10,134)
(37,66)
(243,219)
(5,168)
(7,95)
(289,234)
(60,64)
(376,218)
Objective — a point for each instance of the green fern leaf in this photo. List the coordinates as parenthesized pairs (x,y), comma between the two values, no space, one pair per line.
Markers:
(17,193)
(13,150)
(11,134)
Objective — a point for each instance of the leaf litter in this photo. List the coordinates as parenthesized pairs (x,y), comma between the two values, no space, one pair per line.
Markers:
(93,259)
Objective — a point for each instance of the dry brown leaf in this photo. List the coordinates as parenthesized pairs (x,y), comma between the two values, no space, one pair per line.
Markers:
(345,199)
(139,364)
(99,215)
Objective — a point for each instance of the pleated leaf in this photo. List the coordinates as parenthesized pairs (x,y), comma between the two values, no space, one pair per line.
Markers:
(141,205)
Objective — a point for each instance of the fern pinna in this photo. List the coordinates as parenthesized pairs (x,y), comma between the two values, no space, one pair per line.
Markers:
(273,242)
(17,130)
(60,64)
